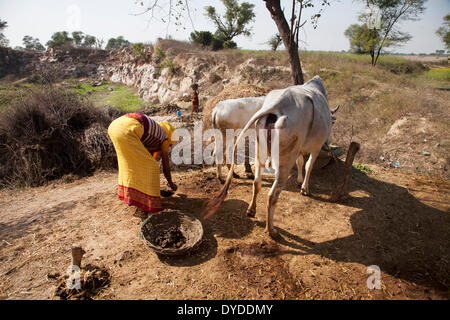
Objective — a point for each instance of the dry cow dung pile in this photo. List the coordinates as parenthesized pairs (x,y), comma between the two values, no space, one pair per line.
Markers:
(92,280)
(232,92)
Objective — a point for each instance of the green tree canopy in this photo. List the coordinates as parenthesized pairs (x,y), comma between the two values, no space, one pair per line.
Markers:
(79,40)
(444,31)
(78,37)
(31,43)
(235,20)
(386,33)
(82,40)
(367,41)
(207,39)
(202,37)
(89,41)
(117,43)
(60,38)
(3,41)
(275,41)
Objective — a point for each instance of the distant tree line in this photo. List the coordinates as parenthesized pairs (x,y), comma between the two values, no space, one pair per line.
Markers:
(117,43)
(31,43)
(77,39)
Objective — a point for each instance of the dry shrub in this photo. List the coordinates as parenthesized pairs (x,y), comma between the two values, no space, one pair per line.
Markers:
(232,92)
(234,58)
(403,67)
(51,133)
(175,47)
(98,148)
(46,76)
(152,110)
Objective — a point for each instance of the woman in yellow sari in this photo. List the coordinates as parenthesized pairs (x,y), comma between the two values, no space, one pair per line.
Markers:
(140,142)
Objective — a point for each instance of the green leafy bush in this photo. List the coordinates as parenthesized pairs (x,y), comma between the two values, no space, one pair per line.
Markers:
(202,37)
(139,50)
(216,44)
(229,44)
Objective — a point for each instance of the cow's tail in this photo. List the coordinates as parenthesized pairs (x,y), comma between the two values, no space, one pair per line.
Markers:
(213,118)
(213,205)
(214,124)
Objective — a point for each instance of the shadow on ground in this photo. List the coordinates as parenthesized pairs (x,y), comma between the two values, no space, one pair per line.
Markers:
(230,222)
(393,230)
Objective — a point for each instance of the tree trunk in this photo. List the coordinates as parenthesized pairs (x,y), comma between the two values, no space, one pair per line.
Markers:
(296,67)
(288,39)
(378,55)
(341,190)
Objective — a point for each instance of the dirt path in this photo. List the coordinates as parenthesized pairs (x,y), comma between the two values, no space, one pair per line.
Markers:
(397,221)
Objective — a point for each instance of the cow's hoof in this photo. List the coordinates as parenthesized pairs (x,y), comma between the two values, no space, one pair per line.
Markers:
(272,232)
(250,176)
(305,192)
(251,213)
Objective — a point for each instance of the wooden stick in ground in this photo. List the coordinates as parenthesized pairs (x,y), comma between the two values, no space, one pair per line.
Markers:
(342,187)
(77,255)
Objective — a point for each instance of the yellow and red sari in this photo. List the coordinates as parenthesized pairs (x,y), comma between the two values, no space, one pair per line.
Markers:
(135,136)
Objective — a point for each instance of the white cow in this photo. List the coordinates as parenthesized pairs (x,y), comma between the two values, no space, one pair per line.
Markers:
(302,118)
(234,114)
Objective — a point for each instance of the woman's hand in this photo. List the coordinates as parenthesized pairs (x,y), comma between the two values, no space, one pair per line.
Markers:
(157,155)
(166,171)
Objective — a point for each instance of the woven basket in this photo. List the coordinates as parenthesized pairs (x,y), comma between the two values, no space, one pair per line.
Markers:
(157,224)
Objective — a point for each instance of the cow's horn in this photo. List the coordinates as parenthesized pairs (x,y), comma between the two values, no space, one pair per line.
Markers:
(335,110)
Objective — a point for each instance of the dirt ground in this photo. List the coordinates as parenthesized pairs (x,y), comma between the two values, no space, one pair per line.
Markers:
(395,220)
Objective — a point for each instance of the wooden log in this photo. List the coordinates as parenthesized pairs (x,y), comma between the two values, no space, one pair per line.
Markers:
(77,255)
(340,191)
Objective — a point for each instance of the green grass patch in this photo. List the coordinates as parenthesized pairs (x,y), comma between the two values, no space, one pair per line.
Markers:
(12,94)
(106,93)
(88,88)
(437,74)
(123,98)
(362,168)
(101,94)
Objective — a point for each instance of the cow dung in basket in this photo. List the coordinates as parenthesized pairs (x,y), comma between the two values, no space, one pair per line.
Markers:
(171,232)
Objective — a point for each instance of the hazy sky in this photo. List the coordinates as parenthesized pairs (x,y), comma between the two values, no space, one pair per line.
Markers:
(111,18)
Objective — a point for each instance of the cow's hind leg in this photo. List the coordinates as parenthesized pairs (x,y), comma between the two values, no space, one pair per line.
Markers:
(218,164)
(235,175)
(218,173)
(251,211)
(308,169)
(228,153)
(248,167)
(281,178)
(300,162)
